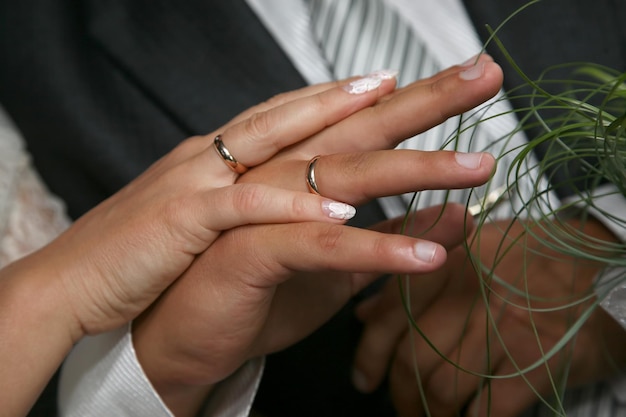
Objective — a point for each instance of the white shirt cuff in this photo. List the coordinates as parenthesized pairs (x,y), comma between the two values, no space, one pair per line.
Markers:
(609,206)
(102,377)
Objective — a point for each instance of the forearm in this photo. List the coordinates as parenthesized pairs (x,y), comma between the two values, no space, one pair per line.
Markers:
(36,333)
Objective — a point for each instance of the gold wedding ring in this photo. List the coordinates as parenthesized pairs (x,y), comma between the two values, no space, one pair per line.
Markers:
(310,175)
(227,157)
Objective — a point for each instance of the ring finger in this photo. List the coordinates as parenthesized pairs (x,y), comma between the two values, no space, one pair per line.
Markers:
(356,178)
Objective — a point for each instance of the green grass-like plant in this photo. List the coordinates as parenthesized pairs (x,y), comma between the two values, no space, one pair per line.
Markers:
(578,124)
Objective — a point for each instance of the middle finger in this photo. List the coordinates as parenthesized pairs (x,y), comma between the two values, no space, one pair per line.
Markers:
(409,111)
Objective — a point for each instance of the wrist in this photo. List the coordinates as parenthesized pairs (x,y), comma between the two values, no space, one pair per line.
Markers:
(32,294)
(37,332)
(41,283)
(182,396)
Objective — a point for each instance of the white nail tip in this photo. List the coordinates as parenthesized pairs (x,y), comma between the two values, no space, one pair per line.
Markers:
(386,74)
(363,85)
(337,210)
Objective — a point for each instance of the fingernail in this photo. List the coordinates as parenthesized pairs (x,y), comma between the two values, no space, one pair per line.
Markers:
(336,210)
(474,72)
(385,74)
(470,62)
(359,381)
(425,251)
(468,160)
(363,85)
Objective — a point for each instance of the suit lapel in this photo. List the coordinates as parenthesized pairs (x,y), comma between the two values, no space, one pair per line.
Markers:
(553,32)
(207,40)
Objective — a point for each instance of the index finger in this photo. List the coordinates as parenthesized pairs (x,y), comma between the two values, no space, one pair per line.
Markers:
(287,97)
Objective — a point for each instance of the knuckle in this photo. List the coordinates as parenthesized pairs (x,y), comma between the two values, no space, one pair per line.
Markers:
(380,248)
(175,210)
(355,165)
(403,362)
(258,125)
(299,207)
(437,90)
(329,238)
(320,102)
(261,263)
(436,87)
(277,100)
(385,124)
(247,198)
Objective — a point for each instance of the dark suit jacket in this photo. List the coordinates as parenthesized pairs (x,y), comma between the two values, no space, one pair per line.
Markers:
(102,89)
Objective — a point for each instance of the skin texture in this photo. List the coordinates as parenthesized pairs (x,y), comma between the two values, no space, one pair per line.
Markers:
(448,308)
(118,258)
(294,277)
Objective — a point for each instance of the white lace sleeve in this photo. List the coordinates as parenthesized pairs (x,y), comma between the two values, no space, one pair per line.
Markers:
(30,216)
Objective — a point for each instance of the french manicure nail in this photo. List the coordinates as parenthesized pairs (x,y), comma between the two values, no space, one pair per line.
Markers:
(336,210)
(363,85)
(425,251)
(474,72)
(468,160)
(385,74)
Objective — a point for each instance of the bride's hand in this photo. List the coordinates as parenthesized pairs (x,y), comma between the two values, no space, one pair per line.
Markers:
(118,258)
